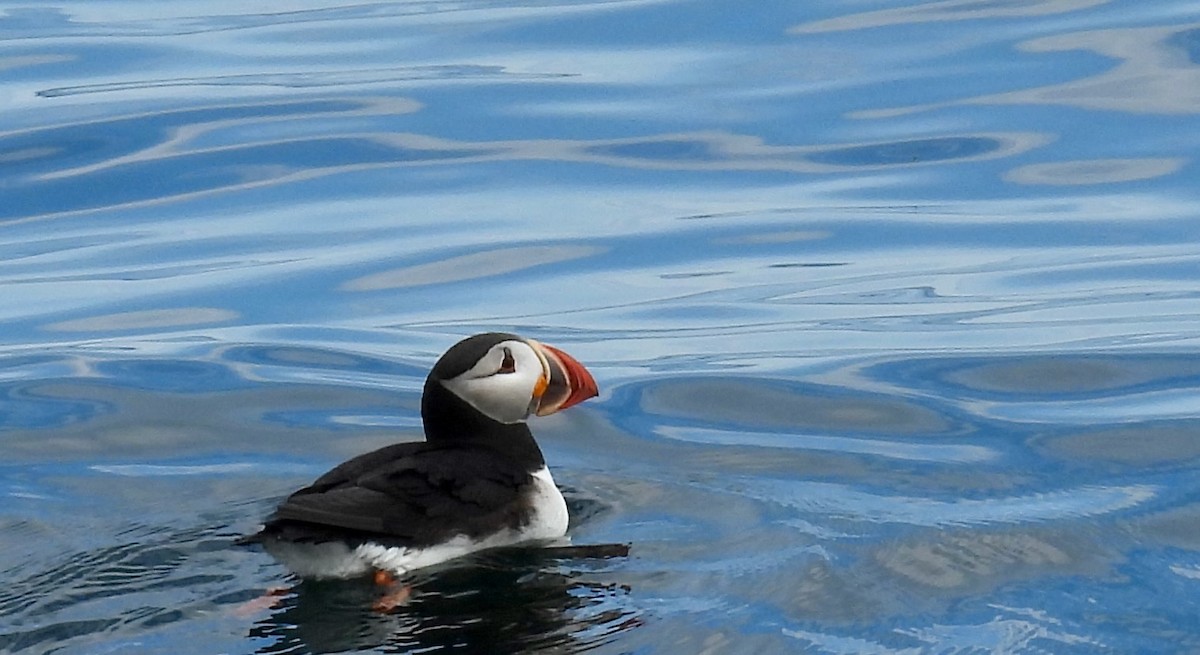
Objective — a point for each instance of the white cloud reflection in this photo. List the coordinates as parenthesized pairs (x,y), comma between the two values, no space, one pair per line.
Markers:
(147,319)
(1095,171)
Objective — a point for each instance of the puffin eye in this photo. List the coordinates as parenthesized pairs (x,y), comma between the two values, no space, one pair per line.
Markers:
(509,365)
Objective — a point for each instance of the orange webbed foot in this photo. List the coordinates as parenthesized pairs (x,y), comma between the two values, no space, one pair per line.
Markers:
(269,599)
(397,594)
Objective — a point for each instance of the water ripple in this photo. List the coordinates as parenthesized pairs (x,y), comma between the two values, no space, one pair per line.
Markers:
(854,505)
(893,309)
(315,80)
(924,452)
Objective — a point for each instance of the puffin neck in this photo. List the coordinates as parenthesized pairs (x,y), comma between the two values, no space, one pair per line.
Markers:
(450,419)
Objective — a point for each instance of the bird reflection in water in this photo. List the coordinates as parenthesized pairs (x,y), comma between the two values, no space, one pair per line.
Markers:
(502,601)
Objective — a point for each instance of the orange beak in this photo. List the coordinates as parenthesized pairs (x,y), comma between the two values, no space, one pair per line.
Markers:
(565,383)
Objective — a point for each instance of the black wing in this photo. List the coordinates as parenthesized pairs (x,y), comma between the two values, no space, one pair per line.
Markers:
(412,493)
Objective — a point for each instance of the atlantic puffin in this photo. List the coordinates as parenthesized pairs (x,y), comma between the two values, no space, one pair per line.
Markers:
(477,481)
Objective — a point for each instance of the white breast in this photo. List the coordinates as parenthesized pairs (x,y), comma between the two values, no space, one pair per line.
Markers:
(338,560)
(549,509)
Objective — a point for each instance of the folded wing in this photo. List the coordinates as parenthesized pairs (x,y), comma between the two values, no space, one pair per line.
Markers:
(416,494)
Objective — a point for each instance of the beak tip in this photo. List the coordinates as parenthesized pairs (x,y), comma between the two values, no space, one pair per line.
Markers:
(579,384)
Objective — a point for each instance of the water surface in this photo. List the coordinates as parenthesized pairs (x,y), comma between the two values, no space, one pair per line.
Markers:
(893,306)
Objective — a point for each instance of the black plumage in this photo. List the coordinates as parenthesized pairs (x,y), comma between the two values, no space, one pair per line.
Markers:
(414,494)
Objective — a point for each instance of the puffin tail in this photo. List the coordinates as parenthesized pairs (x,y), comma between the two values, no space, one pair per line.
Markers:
(250,539)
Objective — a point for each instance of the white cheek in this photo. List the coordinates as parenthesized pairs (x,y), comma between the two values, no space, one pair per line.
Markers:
(505,397)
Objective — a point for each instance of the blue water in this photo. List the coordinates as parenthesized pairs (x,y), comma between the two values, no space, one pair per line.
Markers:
(893,306)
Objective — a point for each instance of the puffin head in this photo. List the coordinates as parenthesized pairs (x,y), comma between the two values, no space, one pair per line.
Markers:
(506,377)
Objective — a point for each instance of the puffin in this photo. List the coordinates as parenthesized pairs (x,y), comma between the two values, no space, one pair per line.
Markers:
(477,481)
